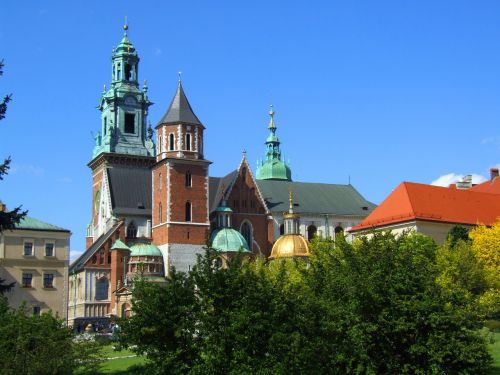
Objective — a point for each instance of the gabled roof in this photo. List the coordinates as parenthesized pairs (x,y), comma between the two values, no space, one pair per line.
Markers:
(490,186)
(315,198)
(79,263)
(130,191)
(179,111)
(34,224)
(215,185)
(411,201)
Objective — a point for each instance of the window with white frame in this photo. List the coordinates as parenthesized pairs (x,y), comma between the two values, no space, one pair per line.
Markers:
(36,310)
(48,279)
(50,248)
(29,248)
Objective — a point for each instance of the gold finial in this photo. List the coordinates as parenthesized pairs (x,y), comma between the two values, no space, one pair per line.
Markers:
(271,111)
(223,191)
(290,198)
(125,27)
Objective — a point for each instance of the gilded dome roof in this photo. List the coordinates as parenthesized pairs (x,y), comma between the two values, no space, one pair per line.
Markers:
(228,239)
(290,245)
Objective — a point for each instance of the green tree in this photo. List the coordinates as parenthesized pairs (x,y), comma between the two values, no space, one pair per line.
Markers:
(8,219)
(369,307)
(458,233)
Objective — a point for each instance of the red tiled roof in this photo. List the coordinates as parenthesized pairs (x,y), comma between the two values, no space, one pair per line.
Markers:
(490,186)
(410,201)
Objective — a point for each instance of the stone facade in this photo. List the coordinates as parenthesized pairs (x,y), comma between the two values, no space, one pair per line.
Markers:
(37,260)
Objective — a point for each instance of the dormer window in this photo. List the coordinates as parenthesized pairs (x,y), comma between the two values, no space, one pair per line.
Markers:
(130,123)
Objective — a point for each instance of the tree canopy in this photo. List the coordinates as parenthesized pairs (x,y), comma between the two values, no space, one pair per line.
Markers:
(369,307)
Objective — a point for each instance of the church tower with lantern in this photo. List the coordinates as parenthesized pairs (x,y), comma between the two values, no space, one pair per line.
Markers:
(124,150)
(180,185)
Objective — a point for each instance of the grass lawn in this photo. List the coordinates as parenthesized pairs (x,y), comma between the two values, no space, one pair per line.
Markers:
(495,353)
(119,362)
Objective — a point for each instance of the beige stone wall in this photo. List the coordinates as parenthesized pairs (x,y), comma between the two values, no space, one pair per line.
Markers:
(437,230)
(13,263)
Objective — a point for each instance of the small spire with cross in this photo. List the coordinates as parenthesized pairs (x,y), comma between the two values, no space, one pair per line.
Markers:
(179,73)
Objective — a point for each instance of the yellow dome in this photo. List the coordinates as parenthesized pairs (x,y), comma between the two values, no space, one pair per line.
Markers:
(290,245)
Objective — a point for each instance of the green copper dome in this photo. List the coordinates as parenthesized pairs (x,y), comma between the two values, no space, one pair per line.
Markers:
(228,239)
(144,249)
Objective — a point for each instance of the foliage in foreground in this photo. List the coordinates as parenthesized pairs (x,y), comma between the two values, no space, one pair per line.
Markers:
(370,307)
(39,345)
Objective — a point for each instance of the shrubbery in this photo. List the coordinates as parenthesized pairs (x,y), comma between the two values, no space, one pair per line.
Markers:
(373,306)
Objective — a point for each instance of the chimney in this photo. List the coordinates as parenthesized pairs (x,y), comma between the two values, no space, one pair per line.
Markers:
(466,183)
(493,173)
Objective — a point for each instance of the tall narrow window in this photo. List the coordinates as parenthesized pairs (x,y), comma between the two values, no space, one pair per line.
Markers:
(128,70)
(188,211)
(130,123)
(119,72)
(311,232)
(188,142)
(160,182)
(28,249)
(105,125)
(160,145)
(131,230)
(246,232)
(101,289)
(171,140)
(189,179)
(160,213)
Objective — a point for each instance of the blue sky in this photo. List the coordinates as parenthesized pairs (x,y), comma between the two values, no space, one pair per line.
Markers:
(381,91)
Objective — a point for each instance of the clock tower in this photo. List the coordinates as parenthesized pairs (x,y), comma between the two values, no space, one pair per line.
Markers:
(124,150)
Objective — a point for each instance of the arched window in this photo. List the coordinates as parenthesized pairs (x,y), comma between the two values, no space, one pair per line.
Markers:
(160,213)
(131,230)
(171,141)
(101,289)
(119,72)
(188,211)
(188,141)
(339,229)
(246,232)
(311,232)
(128,70)
(189,179)
(282,229)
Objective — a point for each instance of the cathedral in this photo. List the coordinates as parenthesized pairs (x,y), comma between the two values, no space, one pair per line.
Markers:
(155,206)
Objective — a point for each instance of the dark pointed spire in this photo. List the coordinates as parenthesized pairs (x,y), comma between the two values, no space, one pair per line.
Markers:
(180,111)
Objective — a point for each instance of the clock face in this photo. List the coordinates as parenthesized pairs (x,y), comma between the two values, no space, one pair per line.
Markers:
(97,201)
(130,100)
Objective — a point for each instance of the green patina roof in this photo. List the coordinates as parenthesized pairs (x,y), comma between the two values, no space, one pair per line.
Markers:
(32,223)
(125,45)
(144,249)
(223,209)
(273,170)
(119,245)
(315,198)
(228,239)
(273,167)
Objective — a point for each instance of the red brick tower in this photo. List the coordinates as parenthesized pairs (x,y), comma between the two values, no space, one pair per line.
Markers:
(180,186)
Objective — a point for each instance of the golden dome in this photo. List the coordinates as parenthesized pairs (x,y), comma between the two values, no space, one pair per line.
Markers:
(290,245)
